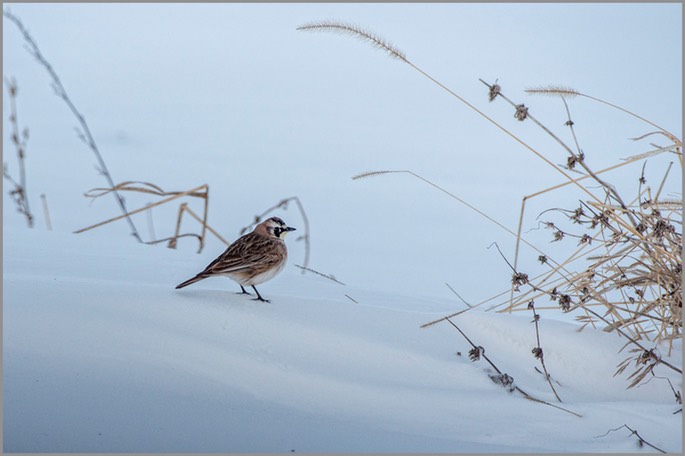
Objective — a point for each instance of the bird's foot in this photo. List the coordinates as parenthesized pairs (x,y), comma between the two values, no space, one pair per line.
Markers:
(243,291)
(259,297)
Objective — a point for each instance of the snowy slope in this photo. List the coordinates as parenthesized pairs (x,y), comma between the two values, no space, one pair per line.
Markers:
(101,354)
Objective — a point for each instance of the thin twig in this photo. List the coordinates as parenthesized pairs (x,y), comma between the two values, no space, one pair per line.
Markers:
(641,441)
(480,352)
(351,299)
(327,276)
(19,193)
(578,159)
(206,226)
(451,195)
(85,130)
(457,295)
(48,223)
(114,189)
(537,351)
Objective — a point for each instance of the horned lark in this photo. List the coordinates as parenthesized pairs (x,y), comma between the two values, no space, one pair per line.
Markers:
(252,259)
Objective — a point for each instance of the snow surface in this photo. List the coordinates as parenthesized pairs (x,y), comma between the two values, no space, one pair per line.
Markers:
(101,354)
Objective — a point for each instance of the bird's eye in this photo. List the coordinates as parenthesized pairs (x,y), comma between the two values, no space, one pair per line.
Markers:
(278,231)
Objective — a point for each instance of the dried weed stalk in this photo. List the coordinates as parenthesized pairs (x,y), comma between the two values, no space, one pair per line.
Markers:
(501,378)
(19,140)
(84,132)
(640,441)
(201,192)
(519,279)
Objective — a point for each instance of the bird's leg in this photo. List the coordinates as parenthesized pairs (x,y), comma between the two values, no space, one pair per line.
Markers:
(242,290)
(259,297)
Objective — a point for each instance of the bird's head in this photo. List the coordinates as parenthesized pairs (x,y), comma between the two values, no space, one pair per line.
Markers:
(274,227)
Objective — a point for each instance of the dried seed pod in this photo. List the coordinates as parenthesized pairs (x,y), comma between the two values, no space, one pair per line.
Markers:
(565,302)
(493,92)
(476,353)
(521,112)
(519,278)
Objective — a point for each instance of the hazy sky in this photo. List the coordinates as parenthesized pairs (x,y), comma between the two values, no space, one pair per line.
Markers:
(234,96)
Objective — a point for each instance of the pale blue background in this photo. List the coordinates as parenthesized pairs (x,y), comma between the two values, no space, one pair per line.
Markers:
(233,96)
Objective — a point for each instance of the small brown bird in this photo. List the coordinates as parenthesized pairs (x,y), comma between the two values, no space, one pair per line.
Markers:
(252,259)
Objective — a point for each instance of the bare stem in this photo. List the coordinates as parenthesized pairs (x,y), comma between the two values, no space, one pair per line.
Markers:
(18,193)
(579,159)
(62,93)
(641,441)
(537,351)
(481,353)
(48,223)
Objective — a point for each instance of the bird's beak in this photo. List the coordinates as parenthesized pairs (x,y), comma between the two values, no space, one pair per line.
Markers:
(289,228)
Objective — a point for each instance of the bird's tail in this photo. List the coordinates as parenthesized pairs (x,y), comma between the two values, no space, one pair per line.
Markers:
(197,278)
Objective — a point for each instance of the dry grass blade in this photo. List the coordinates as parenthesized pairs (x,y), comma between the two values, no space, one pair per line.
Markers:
(173,240)
(654,133)
(201,192)
(650,153)
(141,187)
(355,31)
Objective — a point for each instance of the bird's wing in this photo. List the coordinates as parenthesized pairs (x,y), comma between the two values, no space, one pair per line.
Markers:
(245,253)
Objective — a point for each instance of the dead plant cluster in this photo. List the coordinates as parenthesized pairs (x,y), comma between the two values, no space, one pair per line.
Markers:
(625,271)
(201,192)
(626,268)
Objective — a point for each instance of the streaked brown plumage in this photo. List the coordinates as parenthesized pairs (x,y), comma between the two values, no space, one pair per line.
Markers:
(252,259)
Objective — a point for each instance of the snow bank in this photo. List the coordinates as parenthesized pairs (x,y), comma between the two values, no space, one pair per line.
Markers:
(103,355)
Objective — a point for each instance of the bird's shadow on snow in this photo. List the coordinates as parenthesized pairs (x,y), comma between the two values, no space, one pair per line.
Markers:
(219,298)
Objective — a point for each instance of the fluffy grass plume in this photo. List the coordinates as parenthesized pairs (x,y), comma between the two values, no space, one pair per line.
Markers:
(356,31)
